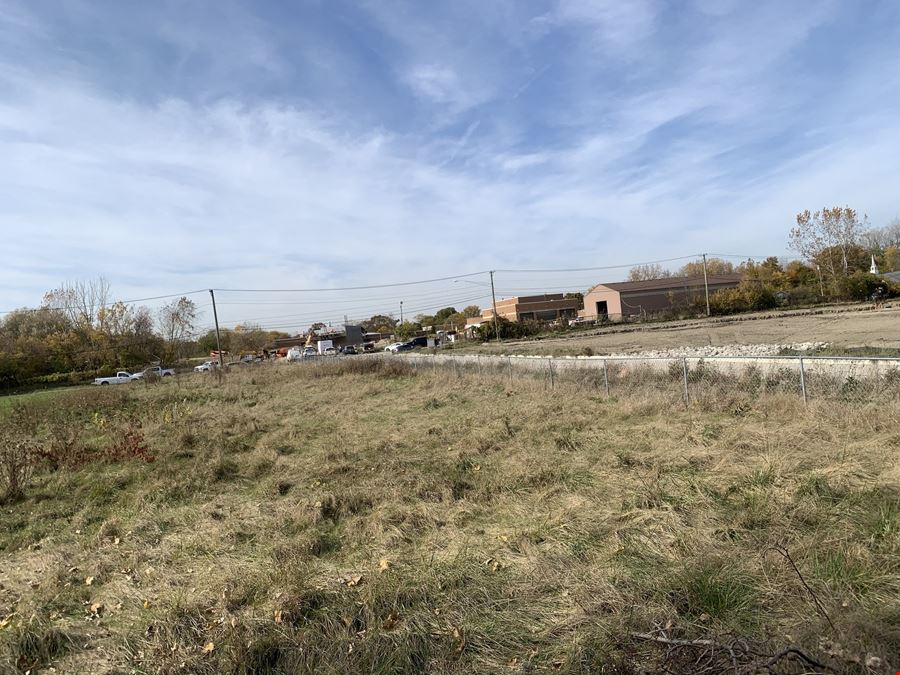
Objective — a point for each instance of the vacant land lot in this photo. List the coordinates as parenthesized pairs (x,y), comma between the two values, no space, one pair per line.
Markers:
(839,327)
(357,517)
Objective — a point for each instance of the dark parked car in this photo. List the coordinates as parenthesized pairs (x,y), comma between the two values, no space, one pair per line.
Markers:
(420,341)
(348,349)
(405,347)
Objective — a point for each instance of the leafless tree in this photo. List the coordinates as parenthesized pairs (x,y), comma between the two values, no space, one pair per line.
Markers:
(880,238)
(647,272)
(80,301)
(176,323)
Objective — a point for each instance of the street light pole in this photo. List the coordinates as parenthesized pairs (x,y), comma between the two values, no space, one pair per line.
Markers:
(401,311)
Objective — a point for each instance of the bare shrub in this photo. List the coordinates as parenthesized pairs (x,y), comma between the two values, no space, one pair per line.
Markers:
(17,459)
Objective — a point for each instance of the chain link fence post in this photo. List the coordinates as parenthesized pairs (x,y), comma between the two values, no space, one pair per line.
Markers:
(803,382)
(684,371)
(606,377)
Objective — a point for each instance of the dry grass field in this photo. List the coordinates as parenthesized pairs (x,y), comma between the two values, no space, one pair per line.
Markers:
(844,328)
(360,518)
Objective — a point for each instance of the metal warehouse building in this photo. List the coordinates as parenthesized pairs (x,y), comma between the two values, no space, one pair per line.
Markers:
(635,298)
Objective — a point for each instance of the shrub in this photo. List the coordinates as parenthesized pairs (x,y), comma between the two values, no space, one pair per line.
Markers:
(747,297)
(862,286)
(508,329)
(17,459)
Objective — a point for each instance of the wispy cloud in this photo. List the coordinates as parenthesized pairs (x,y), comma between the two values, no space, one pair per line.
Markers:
(402,140)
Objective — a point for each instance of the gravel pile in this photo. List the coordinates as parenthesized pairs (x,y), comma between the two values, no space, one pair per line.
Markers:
(728,350)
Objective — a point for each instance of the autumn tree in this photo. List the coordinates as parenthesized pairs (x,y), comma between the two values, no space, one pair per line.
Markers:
(406,330)
(176,324)
(648,271)
(575,296)
(472,311)
(441,316)
(826,237)
(713,266)
(379,323)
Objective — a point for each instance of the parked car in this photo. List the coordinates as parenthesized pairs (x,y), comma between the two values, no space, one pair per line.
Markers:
(419,341)
(404,347)
(157,371)
(309,352)
(368,347)
(206,366)
(349,350)
(121,377)
(392,346)
(330,351)
(294,354)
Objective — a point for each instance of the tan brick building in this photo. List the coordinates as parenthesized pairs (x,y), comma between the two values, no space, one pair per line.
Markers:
(640,298)
(547,307)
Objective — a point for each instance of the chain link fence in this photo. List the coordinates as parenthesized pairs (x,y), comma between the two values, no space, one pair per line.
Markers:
(690,378)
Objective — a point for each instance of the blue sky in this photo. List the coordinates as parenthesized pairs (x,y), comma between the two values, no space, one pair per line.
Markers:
(173,146)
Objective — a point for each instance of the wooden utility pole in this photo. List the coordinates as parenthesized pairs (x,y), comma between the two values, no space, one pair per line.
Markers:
(216,320)
(494,304)
(706,284)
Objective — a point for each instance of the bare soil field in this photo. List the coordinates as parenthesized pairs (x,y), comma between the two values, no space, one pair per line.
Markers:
(358,517)
(840,327)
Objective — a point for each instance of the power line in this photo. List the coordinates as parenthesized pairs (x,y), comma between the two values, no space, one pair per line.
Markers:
(346,288)
(103,304)
(594,269)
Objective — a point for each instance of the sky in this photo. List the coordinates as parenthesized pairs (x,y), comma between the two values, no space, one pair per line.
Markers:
(175,146)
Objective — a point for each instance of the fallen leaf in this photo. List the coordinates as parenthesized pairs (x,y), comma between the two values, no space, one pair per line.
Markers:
(89,581)
(278,618)
(384,564)
(354,581)
(208,647)
(392,620)
(97,608)
(116,541)
(146,604)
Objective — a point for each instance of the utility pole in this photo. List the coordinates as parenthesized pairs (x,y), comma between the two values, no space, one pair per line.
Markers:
(494,304)
(218,341)
(706,284)
(401,311)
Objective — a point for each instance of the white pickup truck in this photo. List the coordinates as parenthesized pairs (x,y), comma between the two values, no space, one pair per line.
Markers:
(119,378)
(153,371)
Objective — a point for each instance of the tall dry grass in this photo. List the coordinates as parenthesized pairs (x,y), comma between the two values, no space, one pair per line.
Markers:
(358,516)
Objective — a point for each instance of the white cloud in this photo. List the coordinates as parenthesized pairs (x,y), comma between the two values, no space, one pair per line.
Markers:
(169,192)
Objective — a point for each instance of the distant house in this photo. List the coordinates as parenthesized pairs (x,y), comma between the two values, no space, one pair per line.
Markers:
(547,307)
(639,298)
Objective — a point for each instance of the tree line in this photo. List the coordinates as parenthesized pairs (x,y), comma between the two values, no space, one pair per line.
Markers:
(77,332)
(836,248)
